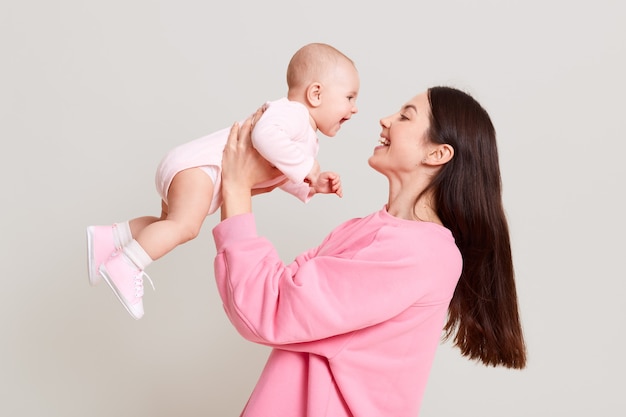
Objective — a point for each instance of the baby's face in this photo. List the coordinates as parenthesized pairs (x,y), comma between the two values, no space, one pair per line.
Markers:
(338,99)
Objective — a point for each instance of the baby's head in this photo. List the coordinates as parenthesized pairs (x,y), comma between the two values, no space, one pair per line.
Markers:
(326,82)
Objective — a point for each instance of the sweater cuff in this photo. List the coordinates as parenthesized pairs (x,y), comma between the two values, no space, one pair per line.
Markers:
(233,229)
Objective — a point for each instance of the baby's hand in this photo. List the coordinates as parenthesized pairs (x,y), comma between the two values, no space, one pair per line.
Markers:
(328,183)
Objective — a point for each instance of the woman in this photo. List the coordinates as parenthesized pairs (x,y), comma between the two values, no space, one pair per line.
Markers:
(355,322)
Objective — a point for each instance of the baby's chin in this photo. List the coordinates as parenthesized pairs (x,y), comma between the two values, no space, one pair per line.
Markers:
(332,132)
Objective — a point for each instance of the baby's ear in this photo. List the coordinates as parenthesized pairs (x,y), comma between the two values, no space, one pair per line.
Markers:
(314,94)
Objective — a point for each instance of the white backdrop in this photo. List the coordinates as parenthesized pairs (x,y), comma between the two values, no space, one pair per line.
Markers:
(93,93)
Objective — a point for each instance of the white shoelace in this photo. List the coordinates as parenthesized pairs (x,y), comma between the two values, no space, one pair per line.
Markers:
(138,282)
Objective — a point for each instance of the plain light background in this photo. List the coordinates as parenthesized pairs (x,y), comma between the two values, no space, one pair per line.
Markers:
(93,93)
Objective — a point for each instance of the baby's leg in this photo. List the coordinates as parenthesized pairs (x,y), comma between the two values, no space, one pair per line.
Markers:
(140,223)
(189,199)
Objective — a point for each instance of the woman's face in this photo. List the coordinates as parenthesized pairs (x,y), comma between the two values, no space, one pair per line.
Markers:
(403,141)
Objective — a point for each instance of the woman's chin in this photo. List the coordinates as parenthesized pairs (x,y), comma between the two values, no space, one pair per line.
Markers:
(372,162)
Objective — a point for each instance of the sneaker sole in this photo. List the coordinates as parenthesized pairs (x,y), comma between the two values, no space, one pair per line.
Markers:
(106,278)
(94,275)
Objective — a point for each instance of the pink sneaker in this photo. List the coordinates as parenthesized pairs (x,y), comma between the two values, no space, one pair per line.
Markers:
(126,281)
(100,245)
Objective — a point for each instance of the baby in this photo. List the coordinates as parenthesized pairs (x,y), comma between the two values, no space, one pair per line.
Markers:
(323,85)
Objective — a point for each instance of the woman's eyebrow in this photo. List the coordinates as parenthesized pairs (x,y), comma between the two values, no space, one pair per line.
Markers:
(409,106)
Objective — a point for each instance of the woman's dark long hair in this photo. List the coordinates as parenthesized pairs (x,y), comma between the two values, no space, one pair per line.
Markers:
(483,316)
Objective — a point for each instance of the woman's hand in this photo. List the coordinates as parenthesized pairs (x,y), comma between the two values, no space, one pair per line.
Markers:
(242,167)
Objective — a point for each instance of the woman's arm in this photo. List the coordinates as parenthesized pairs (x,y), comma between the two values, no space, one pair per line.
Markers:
(332,290)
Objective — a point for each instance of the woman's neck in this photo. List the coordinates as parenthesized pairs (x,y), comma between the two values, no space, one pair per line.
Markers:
(403,204)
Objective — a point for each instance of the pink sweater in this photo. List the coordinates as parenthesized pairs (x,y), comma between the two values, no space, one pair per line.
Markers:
(354,323)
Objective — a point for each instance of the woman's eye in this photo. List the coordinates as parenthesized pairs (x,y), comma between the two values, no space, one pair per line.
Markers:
(403,117)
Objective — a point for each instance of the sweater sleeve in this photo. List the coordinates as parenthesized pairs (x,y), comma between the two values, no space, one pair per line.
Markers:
(318,295)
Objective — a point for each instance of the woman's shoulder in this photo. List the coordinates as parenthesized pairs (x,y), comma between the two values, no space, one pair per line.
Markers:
(407,236)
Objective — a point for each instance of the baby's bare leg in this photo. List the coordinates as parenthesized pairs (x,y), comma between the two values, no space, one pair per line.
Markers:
(189,198)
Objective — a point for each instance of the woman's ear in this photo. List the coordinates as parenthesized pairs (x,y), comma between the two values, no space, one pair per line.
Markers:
(439,155)
(314,94)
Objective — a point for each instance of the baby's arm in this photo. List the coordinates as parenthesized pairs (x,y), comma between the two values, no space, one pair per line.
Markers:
(326,182)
